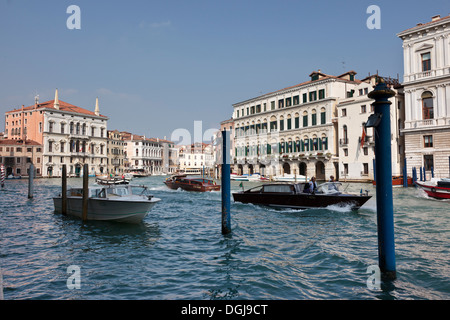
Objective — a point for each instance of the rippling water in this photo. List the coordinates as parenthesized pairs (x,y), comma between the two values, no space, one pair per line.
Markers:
(178,252)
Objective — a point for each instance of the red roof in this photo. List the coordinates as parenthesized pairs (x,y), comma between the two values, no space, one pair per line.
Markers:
(63,106)
(19,142)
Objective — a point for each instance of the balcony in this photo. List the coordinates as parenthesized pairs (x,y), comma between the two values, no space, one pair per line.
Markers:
(427,123)
(343,142)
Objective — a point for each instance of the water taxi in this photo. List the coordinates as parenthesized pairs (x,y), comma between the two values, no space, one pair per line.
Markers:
(436,188)
(292,195)
(191,183)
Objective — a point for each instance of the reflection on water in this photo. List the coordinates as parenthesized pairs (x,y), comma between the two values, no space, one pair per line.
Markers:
(178,252)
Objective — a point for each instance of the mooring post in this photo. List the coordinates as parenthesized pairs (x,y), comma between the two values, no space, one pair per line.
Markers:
(424,175)
(30,181)
(2,175)
(405,175)
(64,190)
(85,190)
(385,207)
(226,189)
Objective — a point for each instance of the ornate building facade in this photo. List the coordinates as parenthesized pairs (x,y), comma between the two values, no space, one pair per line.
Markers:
(292,130)
(426,54)
(69,135)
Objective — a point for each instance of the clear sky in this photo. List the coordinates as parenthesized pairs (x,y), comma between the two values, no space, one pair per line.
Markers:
(158,66)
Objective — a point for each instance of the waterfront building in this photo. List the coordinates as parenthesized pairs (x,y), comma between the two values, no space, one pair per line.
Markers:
(357,144)
(69,135)
(426,54)
(147,154)
(292,130)
(17,156)
(196,158)
(115,153)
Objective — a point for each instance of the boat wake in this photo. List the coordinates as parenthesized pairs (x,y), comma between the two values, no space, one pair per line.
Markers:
(344,207)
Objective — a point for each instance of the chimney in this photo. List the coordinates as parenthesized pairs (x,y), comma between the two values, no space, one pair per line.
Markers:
(56,102)
(434,18)
(97,110)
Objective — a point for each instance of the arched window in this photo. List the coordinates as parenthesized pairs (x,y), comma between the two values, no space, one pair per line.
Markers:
(427,105)
(322,116)
(305,118)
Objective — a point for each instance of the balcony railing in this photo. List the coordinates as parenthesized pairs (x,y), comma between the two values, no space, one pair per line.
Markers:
(427,123)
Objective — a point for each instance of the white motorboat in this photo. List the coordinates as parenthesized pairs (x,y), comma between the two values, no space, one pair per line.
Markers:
(246,177)
(120,203)
(289,178)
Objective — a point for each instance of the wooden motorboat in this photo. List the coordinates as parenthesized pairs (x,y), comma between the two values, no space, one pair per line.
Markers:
(397,181)
(292,195)
(191,183)
(436,188)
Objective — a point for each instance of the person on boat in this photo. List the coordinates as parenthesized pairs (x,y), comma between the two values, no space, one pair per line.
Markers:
(311,186)
(332,186)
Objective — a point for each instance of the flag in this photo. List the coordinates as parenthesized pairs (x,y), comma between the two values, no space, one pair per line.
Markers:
(363,137)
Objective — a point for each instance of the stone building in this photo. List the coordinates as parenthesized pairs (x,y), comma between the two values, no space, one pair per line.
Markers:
(426,55)
(69,135)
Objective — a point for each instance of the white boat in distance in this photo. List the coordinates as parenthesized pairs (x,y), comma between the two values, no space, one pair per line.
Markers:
(120,203)
(246,177)
(289,178)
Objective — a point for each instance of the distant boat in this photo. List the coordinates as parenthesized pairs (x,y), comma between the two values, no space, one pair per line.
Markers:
(397,181)
(246,177)
(139,173)
(436,188)
(292,195)
(113,180)
(289,178)
(120,203)
(191,183)
(11,176)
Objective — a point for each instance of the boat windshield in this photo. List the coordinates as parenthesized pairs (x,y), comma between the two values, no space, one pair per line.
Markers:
(329,188)
(121,192)
(284,188)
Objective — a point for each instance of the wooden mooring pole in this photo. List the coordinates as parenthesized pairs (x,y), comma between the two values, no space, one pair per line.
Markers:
(85,190)
(30,181)
(64,190)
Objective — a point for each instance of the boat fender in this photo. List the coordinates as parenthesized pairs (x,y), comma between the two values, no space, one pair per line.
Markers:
(433,190)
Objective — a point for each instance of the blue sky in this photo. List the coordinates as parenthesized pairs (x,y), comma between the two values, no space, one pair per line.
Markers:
(157,66)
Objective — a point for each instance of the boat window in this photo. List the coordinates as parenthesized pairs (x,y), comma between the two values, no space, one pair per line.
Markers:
(256,189)
(279,188)
(117,191)
(329,188)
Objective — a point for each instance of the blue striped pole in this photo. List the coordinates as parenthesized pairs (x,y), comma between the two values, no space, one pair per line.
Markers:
(226,183)
(405,175)
(385,206)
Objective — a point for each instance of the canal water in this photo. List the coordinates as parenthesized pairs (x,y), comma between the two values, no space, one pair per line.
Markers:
(178,251)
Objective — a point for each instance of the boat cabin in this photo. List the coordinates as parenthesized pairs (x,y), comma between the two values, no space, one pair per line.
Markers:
(296,188)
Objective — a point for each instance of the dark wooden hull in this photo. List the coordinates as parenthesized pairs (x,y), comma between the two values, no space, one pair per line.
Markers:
(300,201)
(192,187)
